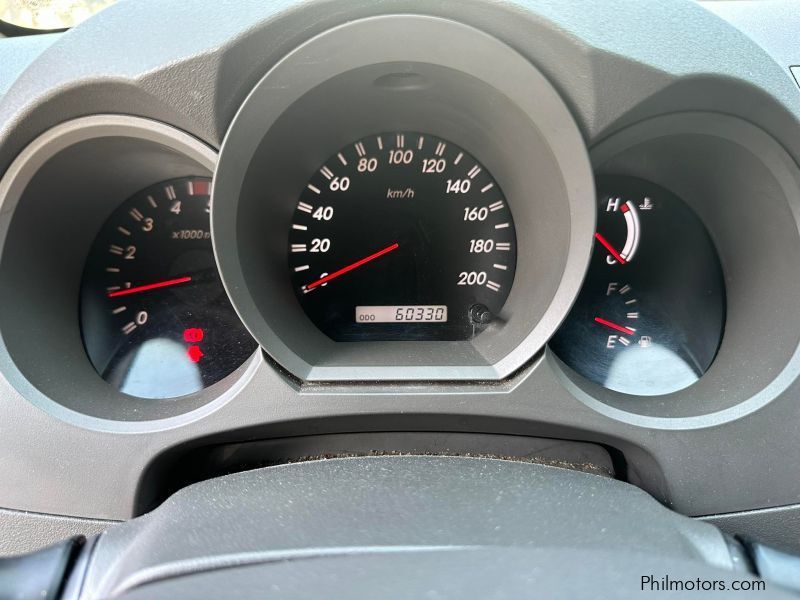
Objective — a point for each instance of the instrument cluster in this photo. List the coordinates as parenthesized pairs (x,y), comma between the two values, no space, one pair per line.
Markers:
(406,218)
(389,244)
(366,226)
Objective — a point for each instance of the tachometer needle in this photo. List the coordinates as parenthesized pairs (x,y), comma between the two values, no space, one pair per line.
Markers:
(614,326)
(149,286)
(617,256)
(349,268)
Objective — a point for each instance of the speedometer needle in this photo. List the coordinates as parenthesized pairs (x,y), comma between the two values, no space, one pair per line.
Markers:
(614,326)
(351,267)
(149,286)
(617,256)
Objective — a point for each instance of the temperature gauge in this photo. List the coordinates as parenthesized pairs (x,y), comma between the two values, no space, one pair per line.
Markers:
(630,232)
(650,316)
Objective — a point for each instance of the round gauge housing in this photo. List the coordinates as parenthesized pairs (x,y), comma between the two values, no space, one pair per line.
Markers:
(155,319)
(402,236)
(472,95)
(650,317)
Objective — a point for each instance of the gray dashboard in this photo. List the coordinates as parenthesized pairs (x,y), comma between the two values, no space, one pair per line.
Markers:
(698,98)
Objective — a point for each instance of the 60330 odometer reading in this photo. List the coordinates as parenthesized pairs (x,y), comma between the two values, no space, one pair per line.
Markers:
(401,314)
(402,236)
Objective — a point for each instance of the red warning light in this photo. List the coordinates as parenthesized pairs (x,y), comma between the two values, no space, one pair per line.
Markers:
(193,335)
(195,354)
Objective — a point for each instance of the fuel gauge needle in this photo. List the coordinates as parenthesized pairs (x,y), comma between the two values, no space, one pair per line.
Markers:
(614,326)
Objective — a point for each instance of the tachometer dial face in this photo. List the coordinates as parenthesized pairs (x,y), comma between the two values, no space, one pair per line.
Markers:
(402,236)
(155,318)
(650,316)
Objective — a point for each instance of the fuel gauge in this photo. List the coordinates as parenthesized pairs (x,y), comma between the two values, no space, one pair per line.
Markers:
(650,317)
(623,309)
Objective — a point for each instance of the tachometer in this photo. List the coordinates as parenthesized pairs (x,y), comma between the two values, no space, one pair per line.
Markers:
(155,318)
(402,236)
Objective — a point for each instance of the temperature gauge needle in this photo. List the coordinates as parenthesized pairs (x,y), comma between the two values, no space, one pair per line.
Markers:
(351,267)
(149,286)
(617,256)
(614,326)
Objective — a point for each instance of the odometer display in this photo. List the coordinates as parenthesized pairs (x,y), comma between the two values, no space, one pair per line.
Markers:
(401,314)
(402,221)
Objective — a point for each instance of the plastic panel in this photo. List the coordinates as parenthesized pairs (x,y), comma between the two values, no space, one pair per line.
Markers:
(26,532)
(360,507)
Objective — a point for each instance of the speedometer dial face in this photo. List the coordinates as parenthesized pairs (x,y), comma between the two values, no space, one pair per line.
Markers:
(402,236)
(155,318)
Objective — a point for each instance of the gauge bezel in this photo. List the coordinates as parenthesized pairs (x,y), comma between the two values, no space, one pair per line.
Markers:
(55,197)
(474,91)
(731,174)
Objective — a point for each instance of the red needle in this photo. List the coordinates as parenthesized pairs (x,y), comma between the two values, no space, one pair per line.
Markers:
(610,248)
(149,286)
(349,268)
(614,326)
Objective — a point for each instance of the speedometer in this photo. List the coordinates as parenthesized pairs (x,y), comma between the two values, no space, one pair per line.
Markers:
(402,236)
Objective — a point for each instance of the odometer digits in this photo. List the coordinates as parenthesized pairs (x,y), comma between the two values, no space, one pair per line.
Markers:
(401,314)
(402,236)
